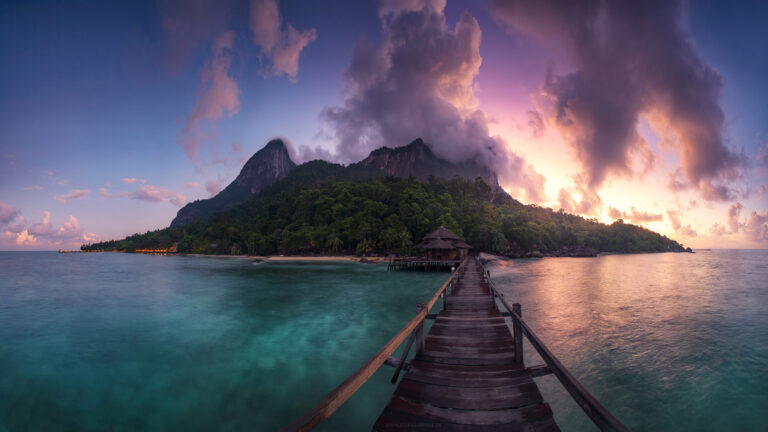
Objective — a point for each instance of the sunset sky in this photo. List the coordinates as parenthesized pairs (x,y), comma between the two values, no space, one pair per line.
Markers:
(114,115)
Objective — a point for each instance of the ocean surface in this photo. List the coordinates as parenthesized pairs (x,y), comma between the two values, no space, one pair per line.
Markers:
(668,342)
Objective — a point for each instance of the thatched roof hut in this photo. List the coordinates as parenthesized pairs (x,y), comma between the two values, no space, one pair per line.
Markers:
(442,244)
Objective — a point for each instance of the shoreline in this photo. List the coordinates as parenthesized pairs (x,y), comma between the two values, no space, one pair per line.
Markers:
(293,258)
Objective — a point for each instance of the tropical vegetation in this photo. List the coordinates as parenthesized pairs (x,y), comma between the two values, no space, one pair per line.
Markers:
(388,215)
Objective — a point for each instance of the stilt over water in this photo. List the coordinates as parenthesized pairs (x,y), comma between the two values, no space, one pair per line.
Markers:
(468,372)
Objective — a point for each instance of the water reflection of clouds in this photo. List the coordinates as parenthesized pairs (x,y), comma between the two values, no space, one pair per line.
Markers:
(647,332)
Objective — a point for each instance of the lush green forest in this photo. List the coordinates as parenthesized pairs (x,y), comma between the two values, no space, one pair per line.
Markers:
(389,215)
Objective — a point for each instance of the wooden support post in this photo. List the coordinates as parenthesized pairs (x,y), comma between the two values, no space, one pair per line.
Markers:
(517,332)
(420,331)
(402,362)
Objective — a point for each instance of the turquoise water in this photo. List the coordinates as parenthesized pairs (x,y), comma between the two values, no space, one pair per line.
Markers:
(132,342)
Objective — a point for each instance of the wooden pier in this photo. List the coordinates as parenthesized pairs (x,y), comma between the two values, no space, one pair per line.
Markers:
(420,263)
(468,372)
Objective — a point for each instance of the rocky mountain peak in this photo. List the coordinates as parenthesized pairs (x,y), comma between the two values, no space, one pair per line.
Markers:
(417,159)
(268,165)
(265,167)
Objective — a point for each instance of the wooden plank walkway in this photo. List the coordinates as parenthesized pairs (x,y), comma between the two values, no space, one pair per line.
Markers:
(465,378)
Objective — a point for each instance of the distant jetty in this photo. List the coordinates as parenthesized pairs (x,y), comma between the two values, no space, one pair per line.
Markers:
(156,251)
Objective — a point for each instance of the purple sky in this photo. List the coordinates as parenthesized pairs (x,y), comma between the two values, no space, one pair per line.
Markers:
(115,115)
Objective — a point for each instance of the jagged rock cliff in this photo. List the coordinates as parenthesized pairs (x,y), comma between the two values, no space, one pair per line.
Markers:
(273,164)
(268,165)
(416,159)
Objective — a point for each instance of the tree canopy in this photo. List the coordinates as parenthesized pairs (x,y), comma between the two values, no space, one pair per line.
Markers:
(388,215)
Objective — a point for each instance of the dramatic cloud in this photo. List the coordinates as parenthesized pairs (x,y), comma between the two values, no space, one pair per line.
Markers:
(687,231)
(280,42)
(156,194)
(387,7)
(43,228)
(218,96)
(24,238)
(629,59)
(589,204)
(75,194)
(762,191)
(418,81)
(70,227)
(536,123)
(132,180)
(91,237)
(718,230)
(674,220)
(7,213)
(634,215)
(734,214)
(755,226)
(17,227)
(44,233)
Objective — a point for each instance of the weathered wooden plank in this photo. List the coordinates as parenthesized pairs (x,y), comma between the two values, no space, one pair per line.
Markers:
(460,318)
(469,325)
(469,382)
(491,313)
(466,350)
(468,332)
(475,360)
(486,398)
(507,417)
(501,343)
(471,339)
(396,420)
(461,369)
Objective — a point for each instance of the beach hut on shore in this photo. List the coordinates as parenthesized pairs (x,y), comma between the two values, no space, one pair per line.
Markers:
(441,244)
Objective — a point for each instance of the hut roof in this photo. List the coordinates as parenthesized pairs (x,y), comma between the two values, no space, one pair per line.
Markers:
(461,245)
(434,244)
(442,233)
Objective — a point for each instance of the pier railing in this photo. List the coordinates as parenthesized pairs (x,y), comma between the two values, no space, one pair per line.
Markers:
(336,398)
(599,415)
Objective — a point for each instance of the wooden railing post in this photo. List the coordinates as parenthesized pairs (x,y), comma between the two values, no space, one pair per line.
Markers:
(517,332)
(420,331)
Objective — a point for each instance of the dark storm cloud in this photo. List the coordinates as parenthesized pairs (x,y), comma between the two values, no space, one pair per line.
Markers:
(418,81)
(630,58)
